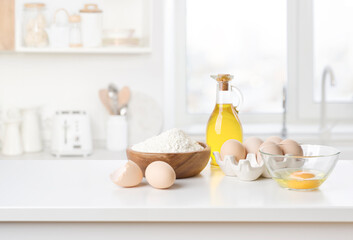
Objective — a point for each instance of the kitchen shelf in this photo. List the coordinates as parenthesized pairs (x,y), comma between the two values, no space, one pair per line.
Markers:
(117,15)
(104,50)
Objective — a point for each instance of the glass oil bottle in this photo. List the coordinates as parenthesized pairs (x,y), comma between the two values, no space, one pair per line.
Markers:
(224,123)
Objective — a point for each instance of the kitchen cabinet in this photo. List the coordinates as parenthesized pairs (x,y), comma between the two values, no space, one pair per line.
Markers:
(71,199)
(117,14)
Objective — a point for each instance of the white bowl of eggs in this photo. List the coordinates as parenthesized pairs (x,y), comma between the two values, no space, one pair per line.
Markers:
(245,160)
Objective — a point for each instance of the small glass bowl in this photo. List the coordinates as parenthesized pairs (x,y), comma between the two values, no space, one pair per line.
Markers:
(301,173)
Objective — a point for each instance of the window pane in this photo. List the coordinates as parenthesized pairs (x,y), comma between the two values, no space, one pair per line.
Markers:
(246,38)
(333,44)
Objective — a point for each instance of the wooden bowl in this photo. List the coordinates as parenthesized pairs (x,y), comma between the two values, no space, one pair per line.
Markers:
(185,165)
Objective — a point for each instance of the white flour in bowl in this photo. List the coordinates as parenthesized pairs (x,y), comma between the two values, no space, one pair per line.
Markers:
(171,141)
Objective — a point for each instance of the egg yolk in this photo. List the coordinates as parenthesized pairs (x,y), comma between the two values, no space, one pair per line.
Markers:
(301,180)
(302,175)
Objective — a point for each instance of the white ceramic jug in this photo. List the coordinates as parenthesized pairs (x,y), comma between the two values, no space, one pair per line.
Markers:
(31,131)
(12,144)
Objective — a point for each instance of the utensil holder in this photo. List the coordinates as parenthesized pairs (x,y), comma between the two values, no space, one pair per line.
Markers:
(117,133)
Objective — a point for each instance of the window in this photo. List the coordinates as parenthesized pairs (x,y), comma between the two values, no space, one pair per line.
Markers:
(333,46)
(244,38)
(266,44)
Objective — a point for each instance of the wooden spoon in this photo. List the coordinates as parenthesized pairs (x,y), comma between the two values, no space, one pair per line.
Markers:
(104,97)
(123,97)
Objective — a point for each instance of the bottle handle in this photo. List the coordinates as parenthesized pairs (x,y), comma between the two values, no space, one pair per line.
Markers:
(239,95)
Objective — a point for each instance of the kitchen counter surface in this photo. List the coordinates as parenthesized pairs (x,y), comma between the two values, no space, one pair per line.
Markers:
(81,191)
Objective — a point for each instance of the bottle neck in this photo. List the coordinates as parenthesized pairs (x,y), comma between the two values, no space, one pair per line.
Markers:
(224,93)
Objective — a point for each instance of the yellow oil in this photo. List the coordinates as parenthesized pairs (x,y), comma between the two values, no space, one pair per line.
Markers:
(222,125)
(288,178)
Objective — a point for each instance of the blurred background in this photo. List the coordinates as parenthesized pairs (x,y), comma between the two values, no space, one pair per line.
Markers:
(61,61)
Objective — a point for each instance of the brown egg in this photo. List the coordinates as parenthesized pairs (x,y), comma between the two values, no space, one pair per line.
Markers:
(129,175)
(274,139)
(160,175)
(291,147)
(269,147)
(233,147)
(252,144)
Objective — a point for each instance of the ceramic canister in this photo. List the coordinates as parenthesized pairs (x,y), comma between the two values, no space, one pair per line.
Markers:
(117,133)
(91,25)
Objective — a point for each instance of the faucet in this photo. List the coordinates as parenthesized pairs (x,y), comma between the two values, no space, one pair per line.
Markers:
(284,119)
(327,71)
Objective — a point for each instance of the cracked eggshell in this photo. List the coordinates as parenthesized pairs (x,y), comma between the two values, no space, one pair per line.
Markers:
(252,144)
(291,147)
(129,175)
(234,148)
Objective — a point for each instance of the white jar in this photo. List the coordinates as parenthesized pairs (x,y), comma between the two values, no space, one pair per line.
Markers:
(91,25)
(117,133)
(12,143)
(31,131)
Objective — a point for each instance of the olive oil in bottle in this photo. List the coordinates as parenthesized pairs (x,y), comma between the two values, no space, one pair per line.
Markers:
(224,123)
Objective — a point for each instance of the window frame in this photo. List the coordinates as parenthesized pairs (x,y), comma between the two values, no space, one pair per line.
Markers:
(301,108)
(308,108)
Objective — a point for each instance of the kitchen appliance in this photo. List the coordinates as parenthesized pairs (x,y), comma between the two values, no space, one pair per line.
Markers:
(71,134)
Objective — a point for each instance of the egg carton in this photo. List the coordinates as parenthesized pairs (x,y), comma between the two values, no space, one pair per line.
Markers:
(249,169)
(246,169)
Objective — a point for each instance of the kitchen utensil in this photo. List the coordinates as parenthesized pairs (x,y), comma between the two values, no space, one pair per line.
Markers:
(185,165)
(104,97)
(123,111)
(12,143)
(117,133)
(71,134)
(123,98)
(306,172)
(113,96)
(34,25)
(91,25)
(31,131)
(224,123)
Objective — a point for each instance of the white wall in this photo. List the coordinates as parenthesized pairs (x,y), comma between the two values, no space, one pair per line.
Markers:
(61,81)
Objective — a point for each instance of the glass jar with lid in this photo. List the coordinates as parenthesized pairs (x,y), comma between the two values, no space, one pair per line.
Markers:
(34,25)
(75,31)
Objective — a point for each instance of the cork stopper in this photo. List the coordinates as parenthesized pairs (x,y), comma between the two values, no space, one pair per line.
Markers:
(223,81)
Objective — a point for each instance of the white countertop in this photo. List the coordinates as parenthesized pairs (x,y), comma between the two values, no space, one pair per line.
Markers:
(80,190)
